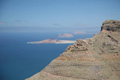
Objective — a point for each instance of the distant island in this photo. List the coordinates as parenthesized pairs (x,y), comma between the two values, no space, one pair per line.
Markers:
(65,35)
(55,41)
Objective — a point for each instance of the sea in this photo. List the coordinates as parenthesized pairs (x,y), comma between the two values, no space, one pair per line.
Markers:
(19,60)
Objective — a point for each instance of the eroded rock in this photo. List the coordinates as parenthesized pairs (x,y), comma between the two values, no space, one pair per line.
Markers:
(111,25)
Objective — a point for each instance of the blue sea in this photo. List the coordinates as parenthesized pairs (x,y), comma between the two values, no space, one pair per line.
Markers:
(19,60)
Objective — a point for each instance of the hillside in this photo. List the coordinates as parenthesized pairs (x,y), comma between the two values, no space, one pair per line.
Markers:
(97,58)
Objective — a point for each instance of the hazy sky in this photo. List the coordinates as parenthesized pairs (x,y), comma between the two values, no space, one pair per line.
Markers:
(71,15)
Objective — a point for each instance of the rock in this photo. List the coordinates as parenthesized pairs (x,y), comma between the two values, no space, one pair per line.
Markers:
(97,58)
(111,25)
(79,45)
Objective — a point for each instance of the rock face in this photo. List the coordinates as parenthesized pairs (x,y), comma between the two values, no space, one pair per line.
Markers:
(111,25)
(97,58)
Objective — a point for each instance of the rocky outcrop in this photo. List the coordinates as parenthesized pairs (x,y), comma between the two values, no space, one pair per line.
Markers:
(97,58)
(111,25)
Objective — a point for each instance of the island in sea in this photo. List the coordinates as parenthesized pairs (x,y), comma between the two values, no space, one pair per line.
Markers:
(55,41)
(65,35)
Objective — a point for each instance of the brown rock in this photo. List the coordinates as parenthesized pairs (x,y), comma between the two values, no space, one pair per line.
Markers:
(111,25)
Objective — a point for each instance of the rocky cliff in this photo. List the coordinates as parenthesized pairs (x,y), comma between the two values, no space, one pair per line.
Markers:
(97,58)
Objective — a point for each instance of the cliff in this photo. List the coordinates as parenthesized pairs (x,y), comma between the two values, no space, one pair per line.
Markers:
(97,58)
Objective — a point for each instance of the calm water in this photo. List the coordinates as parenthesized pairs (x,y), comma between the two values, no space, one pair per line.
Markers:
(19,60)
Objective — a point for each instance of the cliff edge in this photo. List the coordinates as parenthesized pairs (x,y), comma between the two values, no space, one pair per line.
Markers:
(97,58)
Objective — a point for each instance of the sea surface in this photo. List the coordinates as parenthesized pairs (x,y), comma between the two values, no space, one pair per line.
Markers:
(19,60)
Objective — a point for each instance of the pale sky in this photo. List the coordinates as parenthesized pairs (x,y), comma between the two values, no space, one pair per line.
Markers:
(36,15)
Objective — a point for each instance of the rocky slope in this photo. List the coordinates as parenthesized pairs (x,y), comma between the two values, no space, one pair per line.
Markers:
(97,58)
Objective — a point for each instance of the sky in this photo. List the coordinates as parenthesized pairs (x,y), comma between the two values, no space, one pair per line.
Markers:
(56,15)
